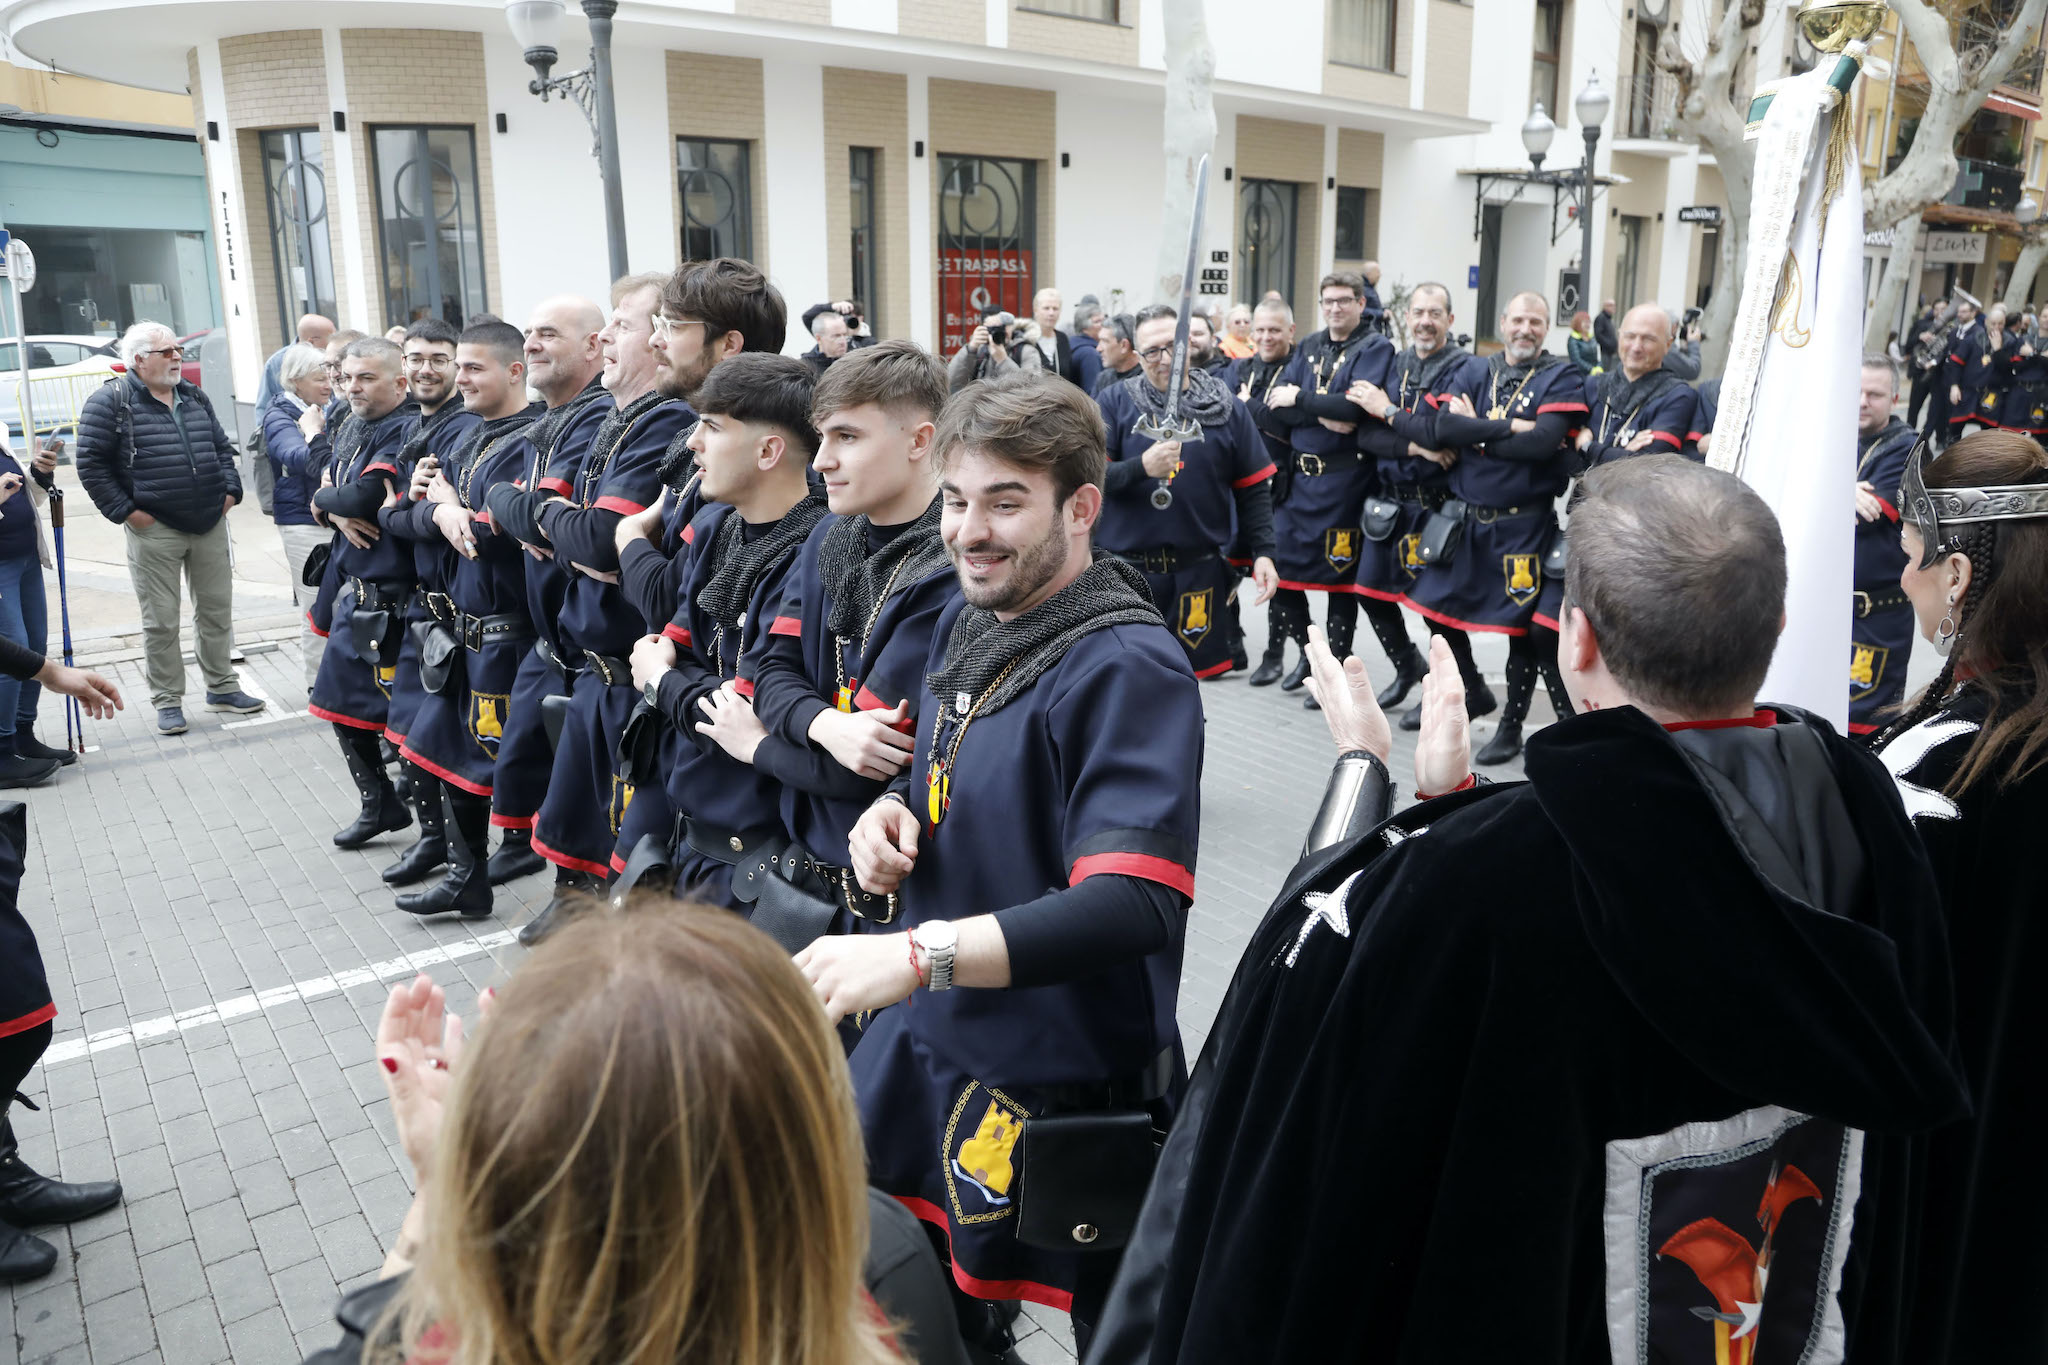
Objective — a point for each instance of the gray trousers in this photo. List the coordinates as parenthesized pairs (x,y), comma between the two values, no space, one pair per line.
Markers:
(300,541)
(157,557)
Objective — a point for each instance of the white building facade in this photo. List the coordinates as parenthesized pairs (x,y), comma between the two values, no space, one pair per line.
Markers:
(383,162)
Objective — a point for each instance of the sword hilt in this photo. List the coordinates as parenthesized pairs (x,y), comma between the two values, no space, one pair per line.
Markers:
(1186,430)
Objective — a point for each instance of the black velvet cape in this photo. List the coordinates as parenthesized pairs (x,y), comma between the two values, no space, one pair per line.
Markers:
(1392,1150)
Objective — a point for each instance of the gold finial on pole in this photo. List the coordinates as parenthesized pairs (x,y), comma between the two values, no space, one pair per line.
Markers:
(1831,25)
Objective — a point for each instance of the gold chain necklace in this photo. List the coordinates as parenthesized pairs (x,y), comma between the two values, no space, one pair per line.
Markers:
(1499,410)
(939,771)
(845,693)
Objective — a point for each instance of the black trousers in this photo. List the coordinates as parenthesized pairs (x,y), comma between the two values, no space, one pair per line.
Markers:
(19,1053)
(1923,385)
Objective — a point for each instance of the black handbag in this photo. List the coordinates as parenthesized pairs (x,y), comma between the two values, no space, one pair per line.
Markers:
(440,652)
(1083,1177)
(1442,533)
(315,568)
(1382,515)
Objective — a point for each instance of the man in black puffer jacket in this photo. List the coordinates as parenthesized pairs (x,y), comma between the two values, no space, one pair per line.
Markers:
(153,457)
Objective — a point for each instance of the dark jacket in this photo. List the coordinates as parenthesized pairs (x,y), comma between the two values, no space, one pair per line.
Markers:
(818,361)
(1087,361)
(295,462)
(1608,333)
(178,470)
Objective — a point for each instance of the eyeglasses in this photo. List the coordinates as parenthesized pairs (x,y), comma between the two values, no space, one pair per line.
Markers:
(1339,301)
(174,352)
(665,326)
(1156,353)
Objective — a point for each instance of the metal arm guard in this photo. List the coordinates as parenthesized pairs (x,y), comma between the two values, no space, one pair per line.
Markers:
(1359,798)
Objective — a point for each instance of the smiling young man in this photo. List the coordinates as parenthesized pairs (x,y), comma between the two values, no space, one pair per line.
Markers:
(360,665)
(752,441)
(481,628)
(1042,849)
(844,657)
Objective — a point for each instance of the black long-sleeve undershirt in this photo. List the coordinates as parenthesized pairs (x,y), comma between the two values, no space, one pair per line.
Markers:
(582,535)
(1255,518)
(359,499)
(651,581)
(1454,430)
(18,661)
(1103,922)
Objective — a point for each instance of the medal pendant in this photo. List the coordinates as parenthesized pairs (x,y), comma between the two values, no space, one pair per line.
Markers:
(938,795)
(1496,412)
(846,699)
(1162,497)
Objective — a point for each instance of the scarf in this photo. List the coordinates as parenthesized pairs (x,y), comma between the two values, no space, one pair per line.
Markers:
(1109,592)
(1419,374)
(430,423)
(1625,397)
(738,564)
(678,462)
(1204,399)
(348,443)
(856,579)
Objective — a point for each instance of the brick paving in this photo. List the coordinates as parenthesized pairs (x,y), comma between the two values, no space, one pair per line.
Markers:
(219,966)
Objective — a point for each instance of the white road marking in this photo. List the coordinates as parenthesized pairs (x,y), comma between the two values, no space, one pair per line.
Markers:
(221,1011)
(267,718)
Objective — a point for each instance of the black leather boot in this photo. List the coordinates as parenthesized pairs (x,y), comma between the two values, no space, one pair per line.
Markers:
(515,857)
(1391,631)
(417,863)
(1286,619)
(466,889)
(382,811)
(1270,665)
(1507,735)
(28,1199)
(28,746)
(568,901)
(1297,676)
(1409,669)
(23,1257)
(401,781)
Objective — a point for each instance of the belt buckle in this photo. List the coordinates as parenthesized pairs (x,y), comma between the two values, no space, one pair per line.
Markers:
(473,634)
(1312,465)
(598,665)
(1863,607)
(1485,516)
(848,890)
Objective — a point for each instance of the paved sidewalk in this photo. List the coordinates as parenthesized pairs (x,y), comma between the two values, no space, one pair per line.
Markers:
(219,966)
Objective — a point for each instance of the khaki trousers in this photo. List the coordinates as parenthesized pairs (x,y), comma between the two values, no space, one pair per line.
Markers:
(300,541)
(157,557)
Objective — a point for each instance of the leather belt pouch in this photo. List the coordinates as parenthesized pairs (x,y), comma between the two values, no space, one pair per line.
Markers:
(1554,557)
(315,567)
(1382,515)
(440,651)
(639,752)
(790,915)
(371,630)
(1083,1178)
(554,714)
(652,862)
(1442,533)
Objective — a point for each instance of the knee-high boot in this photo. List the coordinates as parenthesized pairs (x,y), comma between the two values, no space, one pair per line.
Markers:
(1507,735)
(1286,619)
(573,891)
(1545,645)
(1341,632)
(466,888)
(1409,665)
(515,857)
(382,810)
(431,851)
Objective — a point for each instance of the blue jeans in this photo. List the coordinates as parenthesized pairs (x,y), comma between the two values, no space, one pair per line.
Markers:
(25,619)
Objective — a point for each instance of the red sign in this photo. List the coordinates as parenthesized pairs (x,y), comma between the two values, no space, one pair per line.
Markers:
(972,282)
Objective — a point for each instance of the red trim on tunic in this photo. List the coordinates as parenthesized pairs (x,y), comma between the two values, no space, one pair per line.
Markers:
(997,1290)
(786,625)
(1548,623)
(618,863)
(1889,510)
(1693,437)
(1248,480)
(1667,436)
(380,467)
(557,486)
(743,686)
(1561,407)
(1237,563)
(397,740)
(1376,594)
(511,821)
(315,629)
(340,719)
(1760,719)
(1324,587)
(1448,620)
(564,860)
(452,779)
(1165,871)
(28,1021)
(1214,670)
(1857,727)
(677,633)
(614,503)
(868,701)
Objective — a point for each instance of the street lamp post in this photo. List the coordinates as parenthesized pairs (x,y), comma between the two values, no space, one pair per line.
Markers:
(1591,105)
(535,25)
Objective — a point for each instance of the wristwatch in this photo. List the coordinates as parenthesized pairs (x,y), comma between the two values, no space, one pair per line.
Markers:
(938,938)
(653,689)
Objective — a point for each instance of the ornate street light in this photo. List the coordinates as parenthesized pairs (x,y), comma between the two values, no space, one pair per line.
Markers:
(536,26)
(1537,134)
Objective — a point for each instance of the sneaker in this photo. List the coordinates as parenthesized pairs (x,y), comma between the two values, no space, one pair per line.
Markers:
(16,771)
(170,720)
(241,703)
(28,746)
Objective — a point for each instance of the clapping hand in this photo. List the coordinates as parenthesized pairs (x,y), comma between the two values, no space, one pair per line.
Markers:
(419,1045)
(1342,689)
(1443,755)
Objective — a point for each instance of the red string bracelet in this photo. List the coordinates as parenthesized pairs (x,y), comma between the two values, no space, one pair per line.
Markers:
(914,969)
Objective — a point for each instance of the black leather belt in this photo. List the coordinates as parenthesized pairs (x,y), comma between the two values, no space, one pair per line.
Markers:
(504,629)
(720,844)
(563,668)
(1166,558)
(1868,602)
(1127,1092)
(442,606)
(1486,516)
(1312,464)
(614,672)
(373,598)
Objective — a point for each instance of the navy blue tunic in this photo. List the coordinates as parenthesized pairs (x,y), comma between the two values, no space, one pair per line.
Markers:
(1316,530)
(1510,482)
(1968,369)
(2024,403)
(1388,567)
(1198,525)
(1095,770)
(1664,405)
(432,562)
(350,688)
(1880,637)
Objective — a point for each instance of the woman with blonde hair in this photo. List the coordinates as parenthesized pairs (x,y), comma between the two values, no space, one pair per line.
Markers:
(1236,340)
(647,1155)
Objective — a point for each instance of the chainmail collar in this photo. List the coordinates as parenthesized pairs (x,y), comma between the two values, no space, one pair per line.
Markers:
(469,453)
(858,580)
(1419,374)
(980,648)
(357,433)
(1205,399)
(679,462)
(1534,365)
(546,433)
(430,424)
(738,564)
(1624,397)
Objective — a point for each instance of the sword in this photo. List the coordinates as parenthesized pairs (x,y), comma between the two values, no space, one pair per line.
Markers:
(1171,426)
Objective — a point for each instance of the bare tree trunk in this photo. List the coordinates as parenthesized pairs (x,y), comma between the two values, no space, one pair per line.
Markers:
(1891,288)
(2023,271)
(1190,134)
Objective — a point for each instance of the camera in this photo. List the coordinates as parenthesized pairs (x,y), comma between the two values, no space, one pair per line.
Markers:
(999,325)
(1693,315)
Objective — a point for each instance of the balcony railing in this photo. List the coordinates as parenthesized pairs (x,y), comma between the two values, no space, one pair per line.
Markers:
(1646,105)
(1975,40)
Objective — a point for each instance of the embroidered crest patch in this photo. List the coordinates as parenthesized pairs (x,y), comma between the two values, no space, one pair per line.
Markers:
(1411,554)
(978,1162)
(487,719)
(621,798)
(1866,668)
(1523,575)
(1340,547)
(1194,615)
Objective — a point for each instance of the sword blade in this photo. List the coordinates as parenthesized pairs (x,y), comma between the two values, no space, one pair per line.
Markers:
(1170,425)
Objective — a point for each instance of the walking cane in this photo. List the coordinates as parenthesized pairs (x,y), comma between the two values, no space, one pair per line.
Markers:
(74,720)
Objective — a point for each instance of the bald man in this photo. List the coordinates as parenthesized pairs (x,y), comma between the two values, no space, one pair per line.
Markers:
(1639,405)
(563,354)
(315,331)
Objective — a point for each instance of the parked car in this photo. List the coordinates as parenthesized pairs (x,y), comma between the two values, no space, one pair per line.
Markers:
(62,370)
(190,371)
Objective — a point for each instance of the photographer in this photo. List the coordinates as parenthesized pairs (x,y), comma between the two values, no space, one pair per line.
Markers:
(1683,359)
(987,352)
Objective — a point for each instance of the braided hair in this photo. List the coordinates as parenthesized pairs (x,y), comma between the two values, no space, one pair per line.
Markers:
(1979,545)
